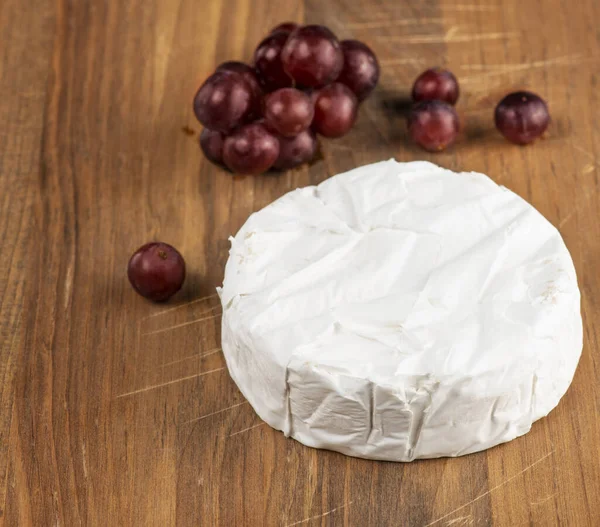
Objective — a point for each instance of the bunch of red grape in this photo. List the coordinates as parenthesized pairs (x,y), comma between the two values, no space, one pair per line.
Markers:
(303,82)
(433,123)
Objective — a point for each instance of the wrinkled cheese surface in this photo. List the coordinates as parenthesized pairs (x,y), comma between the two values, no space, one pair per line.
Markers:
(401,311)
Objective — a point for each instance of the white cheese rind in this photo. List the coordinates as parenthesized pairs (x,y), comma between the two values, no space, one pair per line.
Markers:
(401,311)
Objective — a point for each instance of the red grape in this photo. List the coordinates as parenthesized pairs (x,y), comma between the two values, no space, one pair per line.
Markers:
(361,69)
(156,271)
(267,60)
(312,56)
(335,110)
(436,84)
(224,101)
(211,143)
(522,117)
(434,125)
(249,74)
(251,149)
(293,151)
(288,111)
(285,27)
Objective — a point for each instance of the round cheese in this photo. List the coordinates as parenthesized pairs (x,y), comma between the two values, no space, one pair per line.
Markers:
(401,311)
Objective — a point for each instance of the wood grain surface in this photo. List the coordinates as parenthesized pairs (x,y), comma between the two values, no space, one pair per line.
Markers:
(118,412)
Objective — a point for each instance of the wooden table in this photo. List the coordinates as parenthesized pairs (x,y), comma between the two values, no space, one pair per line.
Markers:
(118,412)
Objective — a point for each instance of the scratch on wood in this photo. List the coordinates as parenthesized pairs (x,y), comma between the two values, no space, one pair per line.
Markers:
(56,511)
(344,148)
(577,207)
(196,356)
(393,23)
(461,519)
(321,515)
(460,7)
(84,458)
(513,68)
(168,383)
(402,62)
(182,325)
(246,429)
(215,413)
(492,489)
(181,306)
(547,498)
(68,284)
(588,168)
(469,7)
(450,37)
(568,59)
(453,30)
(583,151)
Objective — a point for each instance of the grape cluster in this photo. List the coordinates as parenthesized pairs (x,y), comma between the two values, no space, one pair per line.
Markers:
(303,82)
(433,123)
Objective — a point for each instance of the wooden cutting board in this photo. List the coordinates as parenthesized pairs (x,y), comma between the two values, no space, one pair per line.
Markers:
(118,412)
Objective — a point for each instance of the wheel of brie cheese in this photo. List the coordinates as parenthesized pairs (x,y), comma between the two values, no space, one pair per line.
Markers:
(401,311)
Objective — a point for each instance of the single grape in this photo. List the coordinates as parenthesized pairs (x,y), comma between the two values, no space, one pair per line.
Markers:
(312,56)
(522,117)
(249,74)
(224,101)
(211,142)
(361,69)
(251,149)
(433,125)
(294,151)
(288,111)
(335,110)
(156,271)
(267,61)
(436,84)
(284,27)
